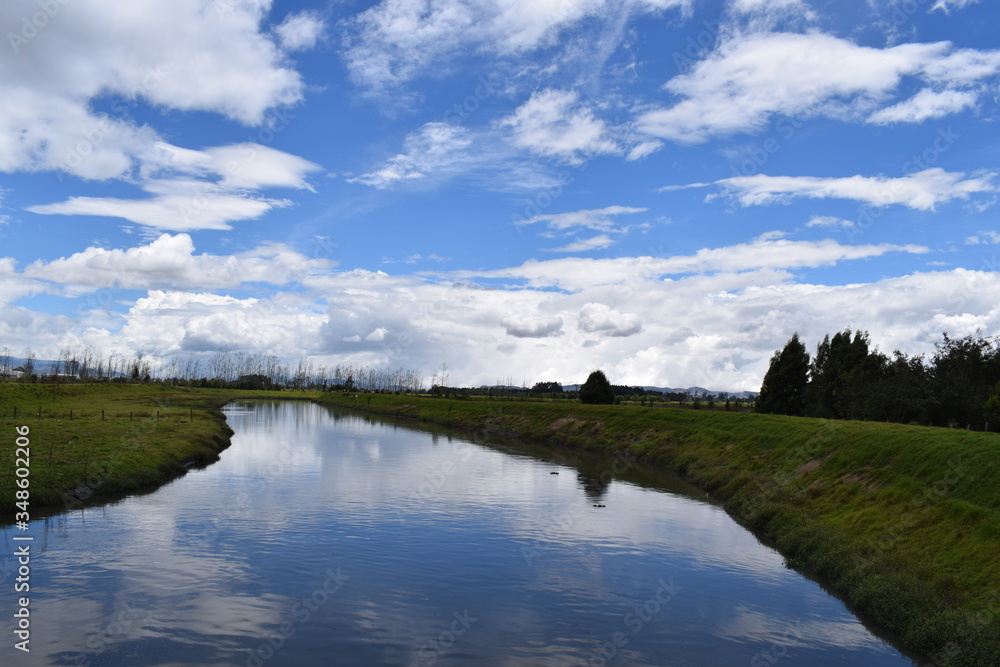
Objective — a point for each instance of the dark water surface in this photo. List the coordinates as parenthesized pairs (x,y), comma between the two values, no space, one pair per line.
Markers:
(325,538)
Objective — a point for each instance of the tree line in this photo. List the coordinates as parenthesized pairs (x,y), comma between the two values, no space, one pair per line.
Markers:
(847,379)
(224,368)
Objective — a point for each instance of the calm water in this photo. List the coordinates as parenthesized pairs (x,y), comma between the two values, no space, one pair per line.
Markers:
(324,538)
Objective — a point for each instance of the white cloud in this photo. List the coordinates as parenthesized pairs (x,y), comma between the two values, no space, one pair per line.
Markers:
(767,14)
(925,104)
(752,77)
(598,318)
(922,190)
(436,148)
(531,326)
(599,219)
(191,189)
(179,55)
(165,323)
(751,6)
(947,5)
(187,55)
(170,262)
(554,123)
(987,237)
(583,245)
(830,221)
(177,206)
(577,274)
(300,31)
(715,327)
(398,40)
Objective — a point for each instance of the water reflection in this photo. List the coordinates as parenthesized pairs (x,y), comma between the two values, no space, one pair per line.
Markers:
(594,487)
(323,536)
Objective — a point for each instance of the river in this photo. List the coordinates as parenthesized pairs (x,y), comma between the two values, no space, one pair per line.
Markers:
(323,537)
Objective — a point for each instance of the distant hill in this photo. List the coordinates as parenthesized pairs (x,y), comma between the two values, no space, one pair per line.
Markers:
(692,391)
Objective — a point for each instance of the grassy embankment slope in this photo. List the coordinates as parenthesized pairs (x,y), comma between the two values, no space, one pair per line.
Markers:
(87,458)
(903,521)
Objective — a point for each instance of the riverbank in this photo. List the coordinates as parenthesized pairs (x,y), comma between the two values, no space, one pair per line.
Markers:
(93,442)
(902,521)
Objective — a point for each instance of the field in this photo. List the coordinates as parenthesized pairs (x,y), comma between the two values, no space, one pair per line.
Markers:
(95,441)
(903,522)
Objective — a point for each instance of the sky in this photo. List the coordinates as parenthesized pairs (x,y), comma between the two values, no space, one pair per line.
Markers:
(521,190)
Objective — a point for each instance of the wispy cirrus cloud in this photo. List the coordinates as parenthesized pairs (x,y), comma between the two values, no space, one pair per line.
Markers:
(922,190)
(924,105)
(396,41)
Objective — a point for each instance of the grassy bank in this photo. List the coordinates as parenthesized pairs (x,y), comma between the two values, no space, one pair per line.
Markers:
(95,441)
(902,521)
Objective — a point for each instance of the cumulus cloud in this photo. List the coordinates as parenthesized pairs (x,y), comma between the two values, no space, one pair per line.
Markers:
(532,326)
(752,77)
(922,190)
(986,237)
(554,123)
(189,55)
(173,55)
(711,319)
(598,318)
(300,31)
(170,262)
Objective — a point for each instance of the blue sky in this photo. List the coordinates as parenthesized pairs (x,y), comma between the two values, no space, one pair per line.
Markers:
(664,189)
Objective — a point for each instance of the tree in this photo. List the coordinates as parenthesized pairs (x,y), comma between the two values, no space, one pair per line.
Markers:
(829,394)
(784,388)
(963,373)
(597,389)
(991,409)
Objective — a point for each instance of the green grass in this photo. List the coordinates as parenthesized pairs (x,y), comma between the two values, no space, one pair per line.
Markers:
(147,435)
(902,521)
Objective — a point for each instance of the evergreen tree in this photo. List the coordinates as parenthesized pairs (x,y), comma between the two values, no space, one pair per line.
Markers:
(784,387)
(837,361)
(597,389)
